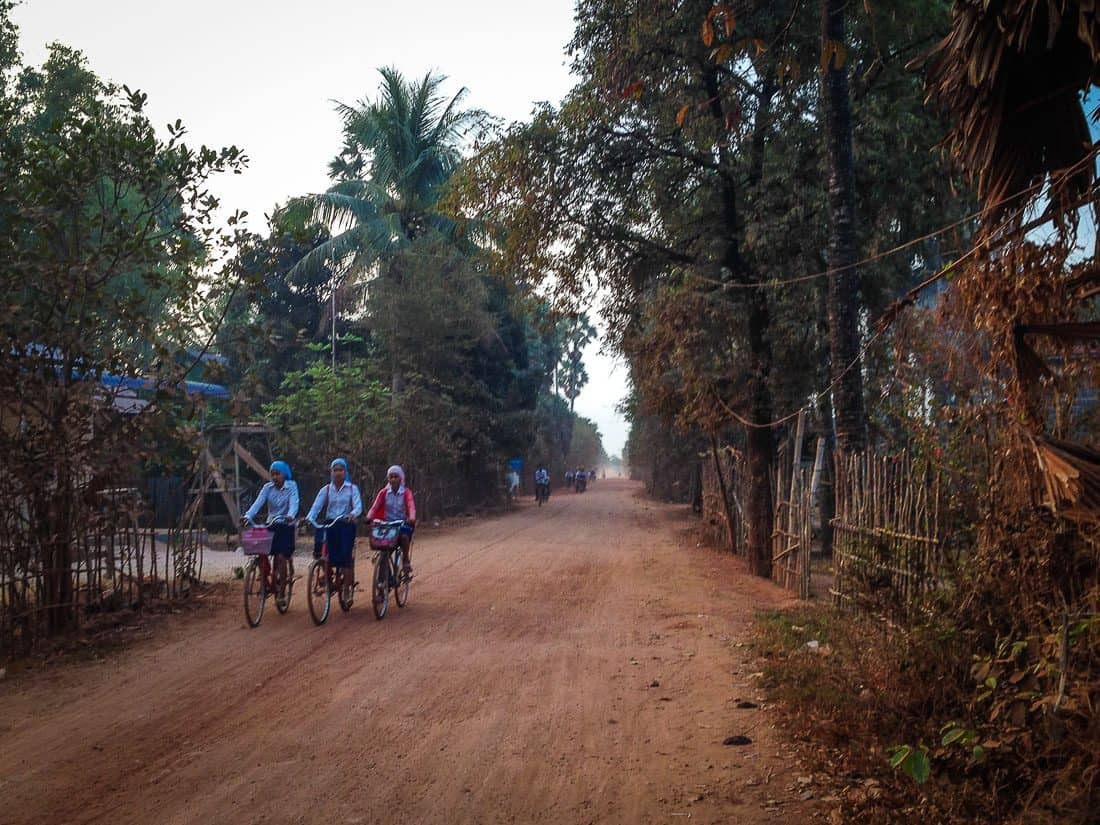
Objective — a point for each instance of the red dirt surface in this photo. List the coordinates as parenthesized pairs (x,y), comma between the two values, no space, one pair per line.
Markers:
(576,663)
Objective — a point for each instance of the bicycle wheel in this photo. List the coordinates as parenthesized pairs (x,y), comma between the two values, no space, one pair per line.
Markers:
(401,589)
(318,591)
(347,588)
(284,586)
(255,594)
(380,586)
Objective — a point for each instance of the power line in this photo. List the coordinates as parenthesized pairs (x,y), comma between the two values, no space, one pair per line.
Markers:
(878,256)
(887,318)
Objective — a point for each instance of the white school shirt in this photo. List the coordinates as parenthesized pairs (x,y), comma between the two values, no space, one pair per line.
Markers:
(395,503)
(280,503)
(343,502)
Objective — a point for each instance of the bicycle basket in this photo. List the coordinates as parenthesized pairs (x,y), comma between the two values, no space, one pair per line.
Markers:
(382,536)
(256,541)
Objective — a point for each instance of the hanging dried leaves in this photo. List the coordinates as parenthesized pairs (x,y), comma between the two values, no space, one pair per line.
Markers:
(1071,477)
(1010,74)
(834,55)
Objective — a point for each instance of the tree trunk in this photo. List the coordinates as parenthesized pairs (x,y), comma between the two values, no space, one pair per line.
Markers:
(825,419)
(760,452)
(843,299)
(760,446)
(58,555)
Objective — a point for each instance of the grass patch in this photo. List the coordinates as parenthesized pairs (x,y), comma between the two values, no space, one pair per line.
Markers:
(850,689)
(870,692)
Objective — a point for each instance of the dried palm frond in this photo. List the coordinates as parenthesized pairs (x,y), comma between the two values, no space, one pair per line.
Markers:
(1009,75)
(1071,478)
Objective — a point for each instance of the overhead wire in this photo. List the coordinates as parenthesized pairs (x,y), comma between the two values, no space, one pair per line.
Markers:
(878,256)
(885,320)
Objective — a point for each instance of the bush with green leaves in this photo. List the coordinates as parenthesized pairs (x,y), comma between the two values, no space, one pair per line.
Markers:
(114,268)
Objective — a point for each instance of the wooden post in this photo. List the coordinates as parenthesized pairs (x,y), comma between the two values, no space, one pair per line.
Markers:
(791,564)
(236,511)
(810,499)
(723,493)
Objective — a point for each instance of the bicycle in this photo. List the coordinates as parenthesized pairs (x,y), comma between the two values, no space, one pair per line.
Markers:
(261,577)
(542,492)
(389,573)
(324,579)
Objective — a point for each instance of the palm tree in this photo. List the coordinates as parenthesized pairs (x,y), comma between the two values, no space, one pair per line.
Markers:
(398,152)
(407,143)
(573,375)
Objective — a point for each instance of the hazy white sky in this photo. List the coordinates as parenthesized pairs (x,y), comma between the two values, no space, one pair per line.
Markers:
(261,74)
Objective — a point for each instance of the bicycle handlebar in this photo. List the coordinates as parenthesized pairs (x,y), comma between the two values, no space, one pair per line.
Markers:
(271,522)
(383,523)
(324,526)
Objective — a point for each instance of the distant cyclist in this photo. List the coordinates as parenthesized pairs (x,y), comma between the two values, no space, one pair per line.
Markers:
(395,502)
(542,482)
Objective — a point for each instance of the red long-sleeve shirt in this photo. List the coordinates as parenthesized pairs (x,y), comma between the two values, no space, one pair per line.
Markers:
(385,507)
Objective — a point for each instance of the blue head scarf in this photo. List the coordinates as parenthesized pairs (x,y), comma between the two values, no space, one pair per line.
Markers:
(282,467)
(339,462)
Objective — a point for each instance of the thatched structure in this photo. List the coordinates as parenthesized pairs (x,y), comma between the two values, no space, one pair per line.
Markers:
(1010,75)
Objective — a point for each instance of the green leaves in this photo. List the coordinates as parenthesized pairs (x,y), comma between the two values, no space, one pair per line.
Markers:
(912,761)
(399,152)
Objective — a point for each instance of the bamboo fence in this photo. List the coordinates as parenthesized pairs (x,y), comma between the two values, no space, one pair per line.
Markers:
(50,585)
(795,493)
(888,531)
(722,478)
(795,487)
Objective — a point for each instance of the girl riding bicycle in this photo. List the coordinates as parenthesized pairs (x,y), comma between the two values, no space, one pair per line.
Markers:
(338,501)
(281,497)
(395,502)
(271,570)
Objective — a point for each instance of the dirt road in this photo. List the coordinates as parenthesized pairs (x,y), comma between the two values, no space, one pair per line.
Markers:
(570,664)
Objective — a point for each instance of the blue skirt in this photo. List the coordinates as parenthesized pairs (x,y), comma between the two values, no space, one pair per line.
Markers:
(282,539)
(341,543)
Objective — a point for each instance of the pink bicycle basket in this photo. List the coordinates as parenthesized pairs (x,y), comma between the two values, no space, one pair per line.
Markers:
(256,541)
(382,537)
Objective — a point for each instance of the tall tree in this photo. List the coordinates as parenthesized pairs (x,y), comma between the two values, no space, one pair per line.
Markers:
(399,151)
(843,291)
(573,376)
(107,233)
(640,183)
